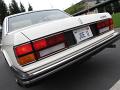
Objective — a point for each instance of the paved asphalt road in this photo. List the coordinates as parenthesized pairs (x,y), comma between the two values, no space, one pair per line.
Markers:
(100,72)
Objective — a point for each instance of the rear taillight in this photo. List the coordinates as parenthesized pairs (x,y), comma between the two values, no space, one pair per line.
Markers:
(50,41)
(40,44)
(24,53)
(55,39)
(23,49)
(111,26)
(49,45)
(30,52)
(106,23)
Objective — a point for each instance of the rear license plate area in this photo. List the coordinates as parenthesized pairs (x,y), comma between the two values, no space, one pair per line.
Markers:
(82,34)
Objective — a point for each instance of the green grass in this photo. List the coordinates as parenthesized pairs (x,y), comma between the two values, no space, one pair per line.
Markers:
(116,19)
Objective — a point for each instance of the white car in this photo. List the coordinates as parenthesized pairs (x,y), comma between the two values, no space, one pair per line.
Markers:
(38,43)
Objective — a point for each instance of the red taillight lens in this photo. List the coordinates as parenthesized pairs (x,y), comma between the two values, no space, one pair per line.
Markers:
(40,44)
(106,23)
(55,39)
(23,49)
(50,41)
(110,21)
(100,25)
(111,26)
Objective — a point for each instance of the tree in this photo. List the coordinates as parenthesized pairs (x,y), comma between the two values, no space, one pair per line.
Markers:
(101,9)
(97,1)
(14,8)
(76,7)
(22,8)
(11,10)
(108,8)
(30,8)
(3,11)
(116,6)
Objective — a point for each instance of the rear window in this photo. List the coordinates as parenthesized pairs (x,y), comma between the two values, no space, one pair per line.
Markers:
(24,20)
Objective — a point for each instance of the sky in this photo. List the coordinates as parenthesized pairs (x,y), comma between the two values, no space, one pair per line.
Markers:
(46,4)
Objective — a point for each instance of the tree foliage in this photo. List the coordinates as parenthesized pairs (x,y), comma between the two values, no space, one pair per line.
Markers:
(97,1)
(30,8)
(22,8)
(101,9)
(3,11)
(75,8)
(14,8)
(108,8)
(116,6)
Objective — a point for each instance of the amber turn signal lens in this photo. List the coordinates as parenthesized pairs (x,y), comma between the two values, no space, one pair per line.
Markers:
(26,59)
